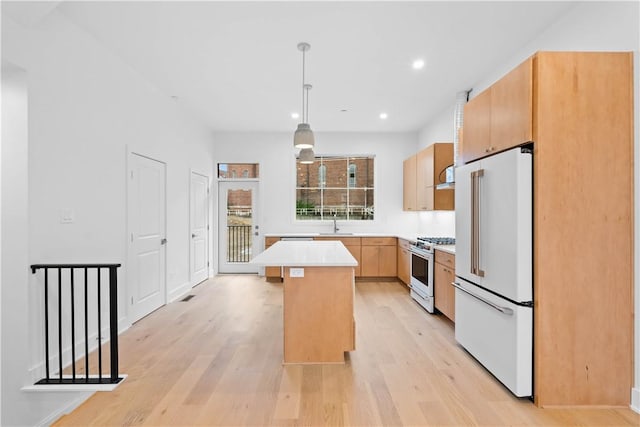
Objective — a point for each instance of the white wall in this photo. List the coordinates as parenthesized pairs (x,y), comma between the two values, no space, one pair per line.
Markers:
(591,26)
(276,155)
(86,109)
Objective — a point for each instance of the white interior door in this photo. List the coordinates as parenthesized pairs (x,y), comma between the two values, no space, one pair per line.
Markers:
(147,228)
(199,201)
(238,229)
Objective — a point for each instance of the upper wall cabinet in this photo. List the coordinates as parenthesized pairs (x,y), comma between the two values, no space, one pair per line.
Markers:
(409,184)
(501,116)
(422,173)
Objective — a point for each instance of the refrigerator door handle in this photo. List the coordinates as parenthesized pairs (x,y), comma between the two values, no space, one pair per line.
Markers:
(475,222)
(479,174)
(504,310)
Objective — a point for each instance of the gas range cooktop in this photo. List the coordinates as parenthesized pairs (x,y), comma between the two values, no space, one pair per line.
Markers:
(426,244)
(438,240)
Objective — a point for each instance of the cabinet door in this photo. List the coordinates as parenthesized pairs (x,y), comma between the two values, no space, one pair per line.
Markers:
(369,267)
(387,261)
(409,184)
(443,291)
(512,108)
(477,127)
(424,178)
(404,260)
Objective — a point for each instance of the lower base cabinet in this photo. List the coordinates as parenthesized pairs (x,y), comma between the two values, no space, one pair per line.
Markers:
(379,257)
(404,261)
(444,293)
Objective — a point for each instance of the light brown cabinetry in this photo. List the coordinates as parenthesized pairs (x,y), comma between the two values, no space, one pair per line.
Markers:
(404,261)
(431,163)
(353,246)
(409,184)
(577,107)
(421,175)
(501,116)
(272,273)
(444,293)
(379,258)
(318,322)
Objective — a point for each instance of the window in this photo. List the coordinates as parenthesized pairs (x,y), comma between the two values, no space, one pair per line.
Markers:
(352,175)
(322,176)
(235,170)
(335,185)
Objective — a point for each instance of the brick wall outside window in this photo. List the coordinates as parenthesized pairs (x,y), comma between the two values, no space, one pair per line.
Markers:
(318,199)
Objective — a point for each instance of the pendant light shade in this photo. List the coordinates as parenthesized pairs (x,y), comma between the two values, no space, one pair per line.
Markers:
(303,137)
(307,156)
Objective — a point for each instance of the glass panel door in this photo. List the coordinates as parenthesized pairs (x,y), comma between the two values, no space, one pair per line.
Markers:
(238,228)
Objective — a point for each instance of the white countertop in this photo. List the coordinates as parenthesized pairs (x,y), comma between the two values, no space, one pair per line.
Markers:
(306,254)
(447,248)
(338,234)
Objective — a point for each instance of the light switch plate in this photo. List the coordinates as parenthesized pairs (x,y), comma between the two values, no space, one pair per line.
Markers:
(296,272)
(67,216)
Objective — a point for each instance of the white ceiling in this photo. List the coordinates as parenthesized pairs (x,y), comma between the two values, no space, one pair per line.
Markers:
(235,65)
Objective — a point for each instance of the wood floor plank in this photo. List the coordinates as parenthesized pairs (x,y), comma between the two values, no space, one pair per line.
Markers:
(217,361)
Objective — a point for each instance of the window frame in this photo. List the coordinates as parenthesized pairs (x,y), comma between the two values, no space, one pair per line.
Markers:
(346,188)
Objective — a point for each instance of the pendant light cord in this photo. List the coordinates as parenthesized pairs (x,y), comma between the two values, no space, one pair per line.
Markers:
(303,109)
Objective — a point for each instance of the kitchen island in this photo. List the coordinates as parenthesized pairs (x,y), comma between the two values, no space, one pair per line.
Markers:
(318,299)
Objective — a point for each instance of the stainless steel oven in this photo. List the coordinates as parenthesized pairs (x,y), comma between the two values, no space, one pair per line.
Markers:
(422,277)
(422,259)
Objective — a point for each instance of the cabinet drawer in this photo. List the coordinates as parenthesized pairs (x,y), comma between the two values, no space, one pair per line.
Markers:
(379,241)
(445,258)
(347,241)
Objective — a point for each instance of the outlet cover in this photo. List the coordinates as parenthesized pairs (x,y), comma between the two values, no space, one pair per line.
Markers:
(296,272)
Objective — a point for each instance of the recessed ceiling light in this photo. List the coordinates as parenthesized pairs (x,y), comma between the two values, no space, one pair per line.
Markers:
(418,64)
(383,116)
(295,115)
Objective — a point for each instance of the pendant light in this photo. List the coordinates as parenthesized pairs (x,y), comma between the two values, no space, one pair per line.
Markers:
(307,156)
(303,137)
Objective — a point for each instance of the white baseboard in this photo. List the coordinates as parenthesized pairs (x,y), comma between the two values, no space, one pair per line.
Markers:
(178,292)
(635,399)
(52,417)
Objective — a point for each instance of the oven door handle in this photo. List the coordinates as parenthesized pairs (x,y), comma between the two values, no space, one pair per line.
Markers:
(504,310)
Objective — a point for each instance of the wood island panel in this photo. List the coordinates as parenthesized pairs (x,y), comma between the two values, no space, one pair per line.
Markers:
(318,315)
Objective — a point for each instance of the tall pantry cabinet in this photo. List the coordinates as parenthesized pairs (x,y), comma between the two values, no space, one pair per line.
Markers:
(577,108)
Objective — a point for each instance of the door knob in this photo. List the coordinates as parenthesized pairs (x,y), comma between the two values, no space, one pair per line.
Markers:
(193,235)
(163,241)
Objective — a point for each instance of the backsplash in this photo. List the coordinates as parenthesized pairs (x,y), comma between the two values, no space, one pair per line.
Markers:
(437,223)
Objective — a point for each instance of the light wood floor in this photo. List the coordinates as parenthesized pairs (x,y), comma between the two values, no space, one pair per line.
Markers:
(216,360)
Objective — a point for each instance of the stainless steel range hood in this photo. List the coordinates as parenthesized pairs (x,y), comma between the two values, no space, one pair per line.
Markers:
(449,182)
(461,99)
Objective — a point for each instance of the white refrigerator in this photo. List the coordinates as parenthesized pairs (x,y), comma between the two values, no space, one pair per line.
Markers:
(494,278)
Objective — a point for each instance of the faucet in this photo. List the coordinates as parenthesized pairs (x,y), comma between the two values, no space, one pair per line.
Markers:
(335,223)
